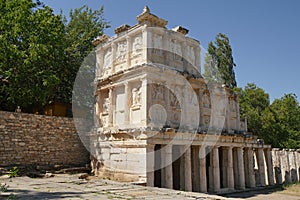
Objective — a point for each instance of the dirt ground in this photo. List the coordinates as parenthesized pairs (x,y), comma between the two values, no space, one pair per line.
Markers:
(64,186)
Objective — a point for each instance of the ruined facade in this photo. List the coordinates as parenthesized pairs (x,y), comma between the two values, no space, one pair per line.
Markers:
(161,123)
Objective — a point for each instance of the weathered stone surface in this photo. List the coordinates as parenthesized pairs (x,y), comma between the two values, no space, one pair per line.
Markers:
(27,139)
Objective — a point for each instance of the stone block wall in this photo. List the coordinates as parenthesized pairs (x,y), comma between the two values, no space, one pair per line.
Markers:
(27,139)
(286,165)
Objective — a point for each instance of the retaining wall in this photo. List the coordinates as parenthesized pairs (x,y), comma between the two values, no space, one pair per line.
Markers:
(27,139)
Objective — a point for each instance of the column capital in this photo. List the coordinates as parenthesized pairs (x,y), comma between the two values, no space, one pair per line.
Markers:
(150,146)
(227,147)
(267,149)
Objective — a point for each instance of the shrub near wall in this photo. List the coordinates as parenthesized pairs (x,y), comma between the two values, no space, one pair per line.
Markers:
(27,139)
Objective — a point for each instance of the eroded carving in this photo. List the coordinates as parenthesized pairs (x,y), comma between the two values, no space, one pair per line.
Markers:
(137,45)
(107,58)
(175,47)
(106,105)
(136,96)
(157,92)
(121,51)
(190,54)
(232,106)
(206,101)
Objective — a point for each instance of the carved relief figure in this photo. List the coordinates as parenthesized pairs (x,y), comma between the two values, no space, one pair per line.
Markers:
(137,45)
(206,120)
(121,51)
(157,92)
(107,58)
(175,48)
(136,96)
(191,54)
(106,105)
(157,41)
(232,105)
(174,101)
(206,101)
(157,44)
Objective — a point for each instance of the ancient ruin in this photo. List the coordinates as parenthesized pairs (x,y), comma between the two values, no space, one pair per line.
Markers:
(161,123)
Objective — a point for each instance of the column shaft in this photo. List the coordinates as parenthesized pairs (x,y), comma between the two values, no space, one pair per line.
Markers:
(144,102)
(241,170)
(168,166)
(188,168)
(216,169)
(269,162)
(126,103)
(261,166)
(202,169)
(111,108)
(150,164)
(230,175)
(195,168)
(250,179)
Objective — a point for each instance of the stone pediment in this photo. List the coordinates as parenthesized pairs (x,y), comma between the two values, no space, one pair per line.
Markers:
(150,19)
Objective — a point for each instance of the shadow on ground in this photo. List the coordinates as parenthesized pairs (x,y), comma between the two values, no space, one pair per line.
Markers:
(30,194)
(253,193)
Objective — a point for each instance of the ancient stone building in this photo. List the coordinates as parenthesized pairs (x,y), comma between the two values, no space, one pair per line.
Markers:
(161,123)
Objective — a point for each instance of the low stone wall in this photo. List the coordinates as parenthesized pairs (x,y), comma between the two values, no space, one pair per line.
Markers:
(286,165)
(27,139)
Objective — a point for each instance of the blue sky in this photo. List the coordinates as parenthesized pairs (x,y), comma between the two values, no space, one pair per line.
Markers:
(264,35)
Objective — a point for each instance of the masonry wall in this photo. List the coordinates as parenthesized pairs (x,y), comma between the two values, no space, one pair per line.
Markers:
(286,165)
(27,139)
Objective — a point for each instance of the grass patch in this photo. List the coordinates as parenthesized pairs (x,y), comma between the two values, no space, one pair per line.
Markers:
(291,189)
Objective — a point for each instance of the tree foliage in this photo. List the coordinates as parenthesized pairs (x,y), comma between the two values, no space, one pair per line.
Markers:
(30,43)
(281,122)
(277,123)
(40,52)
(253,101)
(219,64)
(83,26)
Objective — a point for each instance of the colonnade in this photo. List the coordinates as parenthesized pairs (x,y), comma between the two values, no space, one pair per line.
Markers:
(209,169)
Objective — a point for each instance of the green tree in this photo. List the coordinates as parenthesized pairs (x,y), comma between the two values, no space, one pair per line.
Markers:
(281,122)
(219,62)
(253,101)
(83,26)
(40,52)
(30,52)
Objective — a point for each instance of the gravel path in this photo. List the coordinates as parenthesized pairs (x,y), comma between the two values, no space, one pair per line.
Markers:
(63,186)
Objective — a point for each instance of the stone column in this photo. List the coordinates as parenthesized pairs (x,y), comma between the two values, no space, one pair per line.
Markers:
(146,36)
(241,170)
(202,169)
(269,162)
(261,166)
(144,102)
(150,164)
(235,168)
(126,103)
(111,108)
(230,176)
(195,168)
(224,180)
(128,55)
(249,168)
(99,62)
(216,169)
(188,168)
(182,168)
(113,55)
(167,176)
